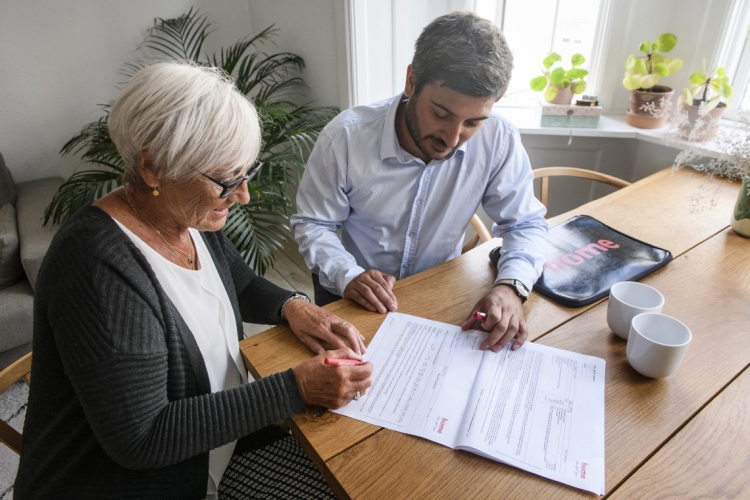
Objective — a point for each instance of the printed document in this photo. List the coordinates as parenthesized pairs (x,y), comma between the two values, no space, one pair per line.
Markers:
(539,408)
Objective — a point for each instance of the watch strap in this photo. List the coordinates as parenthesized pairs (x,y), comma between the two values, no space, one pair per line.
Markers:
(517,286)
(295,296)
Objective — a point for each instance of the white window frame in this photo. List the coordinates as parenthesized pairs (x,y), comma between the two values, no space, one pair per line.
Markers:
(733,53)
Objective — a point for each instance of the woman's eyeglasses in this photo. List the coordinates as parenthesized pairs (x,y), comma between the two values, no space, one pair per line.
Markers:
(227,188)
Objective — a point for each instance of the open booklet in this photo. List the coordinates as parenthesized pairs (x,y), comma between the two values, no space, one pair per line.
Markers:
(539,408)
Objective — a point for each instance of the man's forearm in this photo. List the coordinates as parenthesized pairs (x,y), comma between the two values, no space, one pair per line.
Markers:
(325,255)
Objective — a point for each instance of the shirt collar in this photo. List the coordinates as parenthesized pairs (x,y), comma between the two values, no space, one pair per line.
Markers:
(389,145)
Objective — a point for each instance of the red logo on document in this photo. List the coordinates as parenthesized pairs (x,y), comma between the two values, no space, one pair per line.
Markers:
(442,425)
(583,470)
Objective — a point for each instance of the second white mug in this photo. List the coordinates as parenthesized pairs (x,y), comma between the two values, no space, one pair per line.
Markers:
(628,299)
(657,344)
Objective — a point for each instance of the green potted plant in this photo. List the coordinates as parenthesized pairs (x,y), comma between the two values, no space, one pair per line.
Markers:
(289,130)
(704,103)
(560,84)
(649,101)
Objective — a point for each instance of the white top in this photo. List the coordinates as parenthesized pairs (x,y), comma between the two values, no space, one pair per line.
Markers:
(202,301)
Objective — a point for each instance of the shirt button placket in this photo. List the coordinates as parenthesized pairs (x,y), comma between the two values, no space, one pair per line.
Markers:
(410,247)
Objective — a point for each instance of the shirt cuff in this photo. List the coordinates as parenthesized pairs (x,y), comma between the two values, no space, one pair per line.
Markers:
(347,278)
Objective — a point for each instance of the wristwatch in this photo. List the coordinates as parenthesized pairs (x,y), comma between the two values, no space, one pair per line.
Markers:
(518,287)
(295,296)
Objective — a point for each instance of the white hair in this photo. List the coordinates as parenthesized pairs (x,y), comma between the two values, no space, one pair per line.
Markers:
(184,116)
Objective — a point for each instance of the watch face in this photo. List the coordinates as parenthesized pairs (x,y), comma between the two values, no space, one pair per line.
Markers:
(521,288)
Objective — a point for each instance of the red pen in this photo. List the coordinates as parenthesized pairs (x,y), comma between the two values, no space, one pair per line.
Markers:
(343,362)
(480,316)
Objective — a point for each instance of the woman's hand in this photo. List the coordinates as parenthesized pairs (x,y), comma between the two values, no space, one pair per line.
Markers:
(311,324)
(332,386)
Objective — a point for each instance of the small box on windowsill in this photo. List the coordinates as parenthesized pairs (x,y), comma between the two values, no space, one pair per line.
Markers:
(584,114)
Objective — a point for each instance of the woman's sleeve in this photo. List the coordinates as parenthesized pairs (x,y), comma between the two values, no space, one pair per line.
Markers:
(118,341)
(260,300)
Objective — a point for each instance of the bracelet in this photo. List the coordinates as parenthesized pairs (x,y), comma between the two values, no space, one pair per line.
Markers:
(295,296)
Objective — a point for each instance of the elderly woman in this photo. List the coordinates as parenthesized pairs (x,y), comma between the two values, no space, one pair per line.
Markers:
(138,387)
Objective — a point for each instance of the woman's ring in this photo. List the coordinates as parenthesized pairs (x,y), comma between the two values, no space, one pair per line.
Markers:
(356,396)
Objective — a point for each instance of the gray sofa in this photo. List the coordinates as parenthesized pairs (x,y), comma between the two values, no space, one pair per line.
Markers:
(23,243)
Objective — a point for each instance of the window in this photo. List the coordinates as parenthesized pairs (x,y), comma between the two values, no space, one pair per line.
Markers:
(380,36)
(734,54)
(563,26)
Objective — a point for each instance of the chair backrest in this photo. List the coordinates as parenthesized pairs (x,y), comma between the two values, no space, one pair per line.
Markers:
(545,173)
(19,369)
(480,233)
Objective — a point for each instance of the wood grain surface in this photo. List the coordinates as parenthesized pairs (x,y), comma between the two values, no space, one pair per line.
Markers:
(656,210)
(708,289)
(709,458)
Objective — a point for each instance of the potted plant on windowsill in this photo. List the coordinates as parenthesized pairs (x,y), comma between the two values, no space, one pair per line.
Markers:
(649,101)
(560,84)
(704,103)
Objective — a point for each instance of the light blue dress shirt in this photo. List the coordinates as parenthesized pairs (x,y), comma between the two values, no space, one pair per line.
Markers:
(400,216)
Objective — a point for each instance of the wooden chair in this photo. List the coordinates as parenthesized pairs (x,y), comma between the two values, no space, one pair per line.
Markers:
(480,233)
(545,173)
(21,368)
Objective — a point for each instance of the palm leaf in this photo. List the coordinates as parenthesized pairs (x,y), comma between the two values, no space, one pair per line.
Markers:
(233,54)
(80,189)
(289,130)
(181,38)
(256,228)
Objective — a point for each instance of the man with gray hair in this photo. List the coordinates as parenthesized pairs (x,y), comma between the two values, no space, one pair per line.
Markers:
(400,179)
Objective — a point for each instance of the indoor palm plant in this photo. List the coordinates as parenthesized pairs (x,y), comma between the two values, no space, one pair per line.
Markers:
(648,100)
(289,130)
(561,84)
(704,103)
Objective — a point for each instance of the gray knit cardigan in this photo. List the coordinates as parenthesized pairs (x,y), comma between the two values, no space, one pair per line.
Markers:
(120,403)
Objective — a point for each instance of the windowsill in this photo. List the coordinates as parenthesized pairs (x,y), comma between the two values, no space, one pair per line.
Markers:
(527,120)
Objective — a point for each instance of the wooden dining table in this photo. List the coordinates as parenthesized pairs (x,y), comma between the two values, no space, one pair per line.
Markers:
(683,436)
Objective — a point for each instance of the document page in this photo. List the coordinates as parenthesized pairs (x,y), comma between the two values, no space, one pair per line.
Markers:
(540,409)
(422,379)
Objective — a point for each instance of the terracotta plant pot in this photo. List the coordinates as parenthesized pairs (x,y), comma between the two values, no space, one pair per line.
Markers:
(708,124)
(648,109)
(564,96)
(642,121)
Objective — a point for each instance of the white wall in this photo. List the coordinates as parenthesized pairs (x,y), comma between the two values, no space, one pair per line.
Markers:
(308,29)
(61,58)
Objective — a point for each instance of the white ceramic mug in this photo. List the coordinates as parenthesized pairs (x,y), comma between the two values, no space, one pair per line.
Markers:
(657,344)
(627,299)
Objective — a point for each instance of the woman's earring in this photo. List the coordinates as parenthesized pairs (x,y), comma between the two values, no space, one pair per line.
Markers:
(156,191)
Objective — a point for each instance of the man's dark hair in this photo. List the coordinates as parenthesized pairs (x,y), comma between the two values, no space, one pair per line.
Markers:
(463,52)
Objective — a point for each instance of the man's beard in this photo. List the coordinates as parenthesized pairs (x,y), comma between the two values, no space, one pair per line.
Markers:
(412,125)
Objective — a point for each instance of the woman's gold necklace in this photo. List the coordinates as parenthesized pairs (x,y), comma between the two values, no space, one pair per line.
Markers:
(189,264)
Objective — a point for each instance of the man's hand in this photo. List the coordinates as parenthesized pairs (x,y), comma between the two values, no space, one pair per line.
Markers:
(505,318)
(332,386)
(373,290)
(311,324)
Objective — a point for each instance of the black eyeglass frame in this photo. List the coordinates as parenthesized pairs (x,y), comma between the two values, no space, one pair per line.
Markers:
(226,189)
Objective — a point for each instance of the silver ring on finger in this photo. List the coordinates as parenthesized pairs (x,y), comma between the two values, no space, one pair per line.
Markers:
(357,396)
